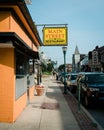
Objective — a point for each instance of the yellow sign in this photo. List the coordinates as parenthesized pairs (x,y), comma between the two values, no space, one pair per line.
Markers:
(53,36)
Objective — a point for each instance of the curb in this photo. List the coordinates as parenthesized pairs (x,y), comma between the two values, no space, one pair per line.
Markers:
(84,118)
(90,116)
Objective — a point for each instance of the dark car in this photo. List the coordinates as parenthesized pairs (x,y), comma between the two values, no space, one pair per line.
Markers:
(91,87)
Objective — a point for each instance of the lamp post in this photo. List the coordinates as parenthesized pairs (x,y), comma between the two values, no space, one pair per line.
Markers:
(65,85)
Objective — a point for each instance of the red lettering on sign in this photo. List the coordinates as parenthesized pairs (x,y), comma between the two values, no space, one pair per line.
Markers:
(54,31)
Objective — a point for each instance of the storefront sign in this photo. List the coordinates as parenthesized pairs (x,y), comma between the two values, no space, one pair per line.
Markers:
(53,36)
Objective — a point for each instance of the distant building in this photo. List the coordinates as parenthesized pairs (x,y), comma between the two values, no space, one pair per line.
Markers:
(84,64)
(93,61)
(76,58)
(69,67)
(96,59)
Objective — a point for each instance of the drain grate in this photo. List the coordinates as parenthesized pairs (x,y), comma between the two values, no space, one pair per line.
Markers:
(51,106)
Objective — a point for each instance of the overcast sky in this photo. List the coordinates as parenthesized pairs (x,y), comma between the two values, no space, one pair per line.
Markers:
(85,19)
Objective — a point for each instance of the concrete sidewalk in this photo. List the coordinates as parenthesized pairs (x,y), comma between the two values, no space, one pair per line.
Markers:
(47,112)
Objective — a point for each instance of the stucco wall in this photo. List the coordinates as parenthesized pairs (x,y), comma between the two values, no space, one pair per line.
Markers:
(7,84)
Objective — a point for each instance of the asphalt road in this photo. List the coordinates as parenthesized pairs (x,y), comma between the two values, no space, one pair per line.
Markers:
(97,112)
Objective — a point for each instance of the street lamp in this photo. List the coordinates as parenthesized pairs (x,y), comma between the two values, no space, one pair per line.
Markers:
(65,85)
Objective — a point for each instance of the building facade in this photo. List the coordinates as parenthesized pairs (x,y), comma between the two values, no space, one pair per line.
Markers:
(96,59)
(76,58)
(93,61)
(19,42)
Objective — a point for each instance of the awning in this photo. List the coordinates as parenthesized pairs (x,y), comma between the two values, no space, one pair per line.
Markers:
(12,40)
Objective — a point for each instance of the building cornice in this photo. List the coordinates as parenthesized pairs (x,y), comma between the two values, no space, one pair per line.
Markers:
(21,5)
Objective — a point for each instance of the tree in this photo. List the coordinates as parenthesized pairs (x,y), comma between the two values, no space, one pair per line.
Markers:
(61,67)
(47,67)
(50,67)
(44,67)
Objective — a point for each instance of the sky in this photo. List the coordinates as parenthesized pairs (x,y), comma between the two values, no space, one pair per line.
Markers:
(85,19)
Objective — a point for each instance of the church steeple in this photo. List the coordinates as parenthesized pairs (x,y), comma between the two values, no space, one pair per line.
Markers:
(76,51)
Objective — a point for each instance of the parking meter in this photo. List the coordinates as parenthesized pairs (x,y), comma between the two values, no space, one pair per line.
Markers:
(79,91)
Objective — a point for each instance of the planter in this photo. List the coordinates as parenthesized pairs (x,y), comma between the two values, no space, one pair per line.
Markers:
(40,90)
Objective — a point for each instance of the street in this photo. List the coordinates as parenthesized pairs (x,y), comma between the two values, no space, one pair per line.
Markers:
(97,111)
(90,89)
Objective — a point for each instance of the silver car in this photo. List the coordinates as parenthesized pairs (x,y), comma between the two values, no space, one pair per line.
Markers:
(71,82)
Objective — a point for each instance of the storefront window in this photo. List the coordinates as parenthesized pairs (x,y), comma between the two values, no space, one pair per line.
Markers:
(21,74)
(24,73)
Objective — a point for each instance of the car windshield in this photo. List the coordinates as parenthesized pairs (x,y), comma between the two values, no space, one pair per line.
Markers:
(73,77)
(95,78)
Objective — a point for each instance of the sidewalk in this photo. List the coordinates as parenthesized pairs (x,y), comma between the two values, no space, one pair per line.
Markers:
(47,112)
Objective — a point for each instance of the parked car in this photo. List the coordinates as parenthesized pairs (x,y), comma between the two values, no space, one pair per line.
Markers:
(62,77)
(71,82)
(91,86)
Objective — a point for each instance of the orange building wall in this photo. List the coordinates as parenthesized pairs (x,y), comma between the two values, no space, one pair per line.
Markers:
(7,83)
(10,108)
(9,24)
(19,105)
(15,27)
(34,48)
(4,21)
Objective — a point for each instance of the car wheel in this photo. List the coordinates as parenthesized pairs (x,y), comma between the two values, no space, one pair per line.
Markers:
(86,101)
(76,93)
(68,88)
(72,89)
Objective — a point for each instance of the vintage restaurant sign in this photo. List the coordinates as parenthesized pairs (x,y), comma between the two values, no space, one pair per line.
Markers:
(54,36)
